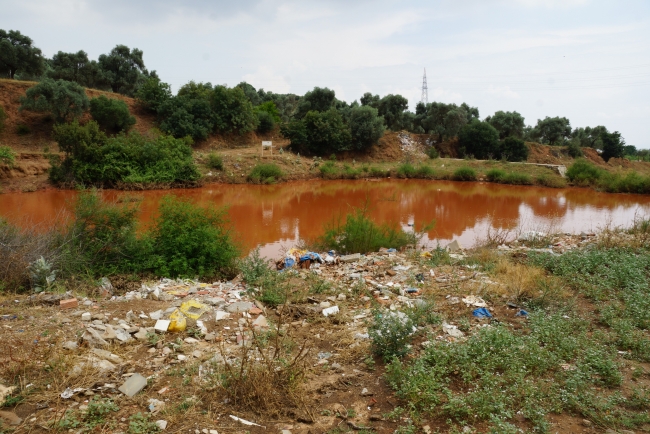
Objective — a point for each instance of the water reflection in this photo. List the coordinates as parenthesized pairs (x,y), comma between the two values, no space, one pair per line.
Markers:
(271,216)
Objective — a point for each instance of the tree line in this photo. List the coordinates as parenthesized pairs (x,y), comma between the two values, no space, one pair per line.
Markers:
(316,123)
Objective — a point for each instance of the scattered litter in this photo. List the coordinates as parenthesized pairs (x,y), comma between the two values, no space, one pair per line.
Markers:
(194,309)
(133,385)
(452,330)
(69,393)
(482,312)
(162,325)
(245,422)
(331,311)
(531,236)
(522,313)
(473,300)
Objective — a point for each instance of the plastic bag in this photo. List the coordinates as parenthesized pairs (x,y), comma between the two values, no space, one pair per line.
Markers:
(178,322)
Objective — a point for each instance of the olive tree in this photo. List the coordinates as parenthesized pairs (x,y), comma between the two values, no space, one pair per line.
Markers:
(124,69)
(78,68)
(508,124)
(232,111)
(366,126)
(64,100)
(479,139)
(553,130)
(18,55)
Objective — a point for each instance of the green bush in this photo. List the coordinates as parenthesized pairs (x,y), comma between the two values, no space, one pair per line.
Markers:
(502,177)
(495,175)
(366,127)
(376,172)
(406,170)
(111,114)
(265,122)
(582,172)
(432,152)
(7,156)
(184,116)
(573,148)
(550,181)
(190,241)
(328,170)
(132,161)
(480,140)
(632,182)
(425,172)
(464,174)
(350,172)
(390,334)
(64,100)
(318,133)
(232,111)
(357,233)
(153,93)
(513,149)
(266,173)
(214,161)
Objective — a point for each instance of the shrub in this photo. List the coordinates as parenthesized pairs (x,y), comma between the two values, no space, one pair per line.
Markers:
(23,130)
(111,114)
(379,173)
(214,161)
(358,234)
(265,122)
(583,172)
(479,139)
(432,152)
(232,111)
(501,177)
(513,149)
(464,174)
(495,175)
(328,170)
(573,148)
(64,100)
(406,170)
(366,127)
(350,172)
(184,116)
(425,172)
(153,93)
(132,160)
(190,241)
(7,156)
(318,133)
(550,181)
(390,333)
(632,182)
(266,173)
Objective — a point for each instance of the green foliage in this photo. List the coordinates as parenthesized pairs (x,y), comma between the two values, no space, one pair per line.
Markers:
(589,137)
(78,68)
(407,170)
(94,416)
(18,55)
(141,424)
(64,100)
(111,114)
(550,181)
(232,111)
(443,120)
(464,174)
(133,159)
(393,108)
(7,156)
(214,161)
(266,173)
(480,140)
(328,170)
(631,182)
(513,149)
(41,275)
(432,152)
(272,287)
(582,172)
(253,267)
(184,116)
(250,92)
(153,93)
(194,90)
(124,69)
(366,127)
(318,133)
(553,130)
(508,124)
(317,100)
(613,145)
(190,241)
(357,233)
(573,148)
(390,333)
(502,177)
(268,115)
(22,129)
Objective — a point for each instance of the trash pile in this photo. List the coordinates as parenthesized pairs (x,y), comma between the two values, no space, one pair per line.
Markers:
(409,146)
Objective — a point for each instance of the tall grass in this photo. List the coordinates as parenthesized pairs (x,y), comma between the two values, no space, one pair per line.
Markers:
(464,174)
(266,173)
(407,170)
(502,177)
(584,173)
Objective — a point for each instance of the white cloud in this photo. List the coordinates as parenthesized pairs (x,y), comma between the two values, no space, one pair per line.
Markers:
(266,79)
(502,91)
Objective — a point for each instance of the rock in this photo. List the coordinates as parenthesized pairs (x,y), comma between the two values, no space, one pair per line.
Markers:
(366,392)
(86,316)
(93,338)
(141,335)
(586,422)
(452,330)
(191,341)
(181,357)
(239,306)
(122,335)
(454,247)
(162,424)
(325,304)
(337,367)
(107,355)
(166,351)
(69,303)
(341,297)
(261,322)
(6,391)
(391,272)
(156,315)
(109,333)
(68,345)
(214,301)
(10,417)
(209,337)
(219,315)
(133,385)
(350,258)
(197,354)
(213,431)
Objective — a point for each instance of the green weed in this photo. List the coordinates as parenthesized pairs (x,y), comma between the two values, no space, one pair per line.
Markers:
(266,173)
(464,174)
(214,161)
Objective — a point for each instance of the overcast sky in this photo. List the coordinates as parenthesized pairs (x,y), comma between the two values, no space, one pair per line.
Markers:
(587,60)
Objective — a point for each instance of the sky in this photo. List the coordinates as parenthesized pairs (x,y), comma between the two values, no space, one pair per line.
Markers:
(586,60)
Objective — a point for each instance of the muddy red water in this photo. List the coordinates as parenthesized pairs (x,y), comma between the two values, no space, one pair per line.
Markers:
(277,216)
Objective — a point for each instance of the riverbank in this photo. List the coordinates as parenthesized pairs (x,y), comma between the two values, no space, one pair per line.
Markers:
(478,334)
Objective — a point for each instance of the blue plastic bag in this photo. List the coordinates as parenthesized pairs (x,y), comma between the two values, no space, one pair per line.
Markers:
(482,312)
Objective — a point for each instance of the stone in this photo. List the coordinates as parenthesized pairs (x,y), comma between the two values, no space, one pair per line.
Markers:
(86,316)
(93,338)
(197,354)
(109,333)
(6,391)
(341,297)
(350,258)
(240,306)
(210,337)
(70,345)
(166,351)
(156,315)
(454,247)
(366,392)
(162,325)
(133,385)
(255,310)
(107,355)
(391,272)
(11,418)
(261,322)
(219,315)
(122,335)
(191,341)
(337,367)
(162,424)
(214,301)
(181,357)
(586,422)
(69,303)
(452,330)
(325,304)
(213,431)
(141,335)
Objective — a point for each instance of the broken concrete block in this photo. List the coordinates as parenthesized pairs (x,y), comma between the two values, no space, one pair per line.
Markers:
(107,355)
(240,306)
(141,334)
(162,325)
(109,333)
(162,424)
(351,258)
(86,316)
(261,322)
(122,335)
(70,345)
(133,385)
(454,247)
(219,315)
(93,338)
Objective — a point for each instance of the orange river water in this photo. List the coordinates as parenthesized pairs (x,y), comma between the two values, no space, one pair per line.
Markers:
(274,217)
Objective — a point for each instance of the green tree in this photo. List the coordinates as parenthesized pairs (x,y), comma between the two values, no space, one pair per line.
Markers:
(320,99)
(318,133)
(111,114)
(444,120)
(472,112)
(196,90)
(613,145)
(267,115)
(124,69)
(590,137)
(250,93)
(184,116)
(479,139)
(513,149)
(366,126)
(18,55)
(153,93)
(508,124)
(232,110)
(76,67)
(65,100)
(370,100)
(392,109)
(553,130)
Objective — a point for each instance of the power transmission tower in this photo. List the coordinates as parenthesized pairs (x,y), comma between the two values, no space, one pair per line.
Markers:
(425,90)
